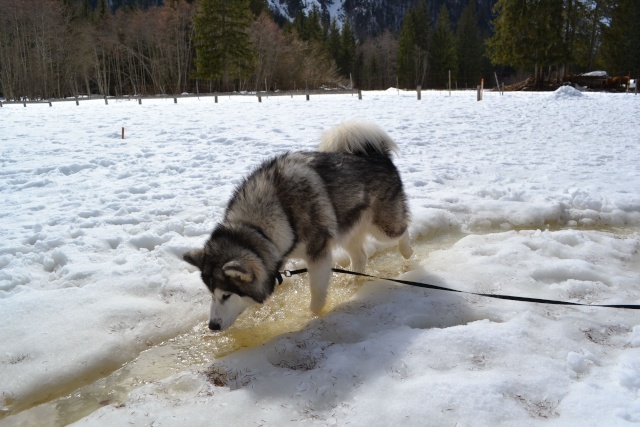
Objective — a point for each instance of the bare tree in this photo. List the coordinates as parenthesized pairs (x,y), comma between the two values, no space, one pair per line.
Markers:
(379,61)
(32,52)
(272,50)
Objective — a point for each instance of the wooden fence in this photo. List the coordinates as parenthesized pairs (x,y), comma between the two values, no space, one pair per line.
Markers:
(140,98)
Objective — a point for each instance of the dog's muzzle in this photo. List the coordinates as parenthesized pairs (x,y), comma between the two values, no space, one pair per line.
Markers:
(214,326)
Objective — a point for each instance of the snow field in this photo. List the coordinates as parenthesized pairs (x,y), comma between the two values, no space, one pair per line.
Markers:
(93,228)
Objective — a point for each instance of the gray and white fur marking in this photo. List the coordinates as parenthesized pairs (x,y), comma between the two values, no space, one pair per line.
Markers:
(303,205)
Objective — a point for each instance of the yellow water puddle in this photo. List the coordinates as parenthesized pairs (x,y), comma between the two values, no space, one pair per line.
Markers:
(287,310)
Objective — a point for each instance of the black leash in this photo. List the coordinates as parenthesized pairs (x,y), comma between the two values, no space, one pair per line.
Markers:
(289,273)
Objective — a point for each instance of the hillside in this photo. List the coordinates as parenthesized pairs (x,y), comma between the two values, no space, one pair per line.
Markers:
(372,17)
(369,17)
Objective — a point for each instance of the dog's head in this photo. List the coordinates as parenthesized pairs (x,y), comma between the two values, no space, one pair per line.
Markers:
(235,275)
(230,283)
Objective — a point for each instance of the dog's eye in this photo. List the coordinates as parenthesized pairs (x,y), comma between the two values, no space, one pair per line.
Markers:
(225,297)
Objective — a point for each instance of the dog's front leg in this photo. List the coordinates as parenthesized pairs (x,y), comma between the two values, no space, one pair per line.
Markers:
(404,245)
(319,276)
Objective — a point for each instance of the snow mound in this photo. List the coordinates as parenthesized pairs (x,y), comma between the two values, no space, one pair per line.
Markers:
(567,92)
(595,74)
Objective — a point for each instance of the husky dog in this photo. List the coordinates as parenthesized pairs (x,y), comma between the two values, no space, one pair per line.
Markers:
(302,205)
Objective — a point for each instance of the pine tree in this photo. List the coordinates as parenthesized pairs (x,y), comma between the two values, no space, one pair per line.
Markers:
(621,39)
(347,57)
(309,27)
(422,24)
(222,41)
(258,7)
(528,33)
(103,8)
(406,48)
(87,10)
(443,57)
(333,41)
(413,46)
(594,16)
(469,47)
(315,28)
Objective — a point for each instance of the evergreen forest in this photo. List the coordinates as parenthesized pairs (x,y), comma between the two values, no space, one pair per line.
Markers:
(64,48)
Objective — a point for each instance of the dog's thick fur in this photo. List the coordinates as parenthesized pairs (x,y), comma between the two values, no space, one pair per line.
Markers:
(302,205)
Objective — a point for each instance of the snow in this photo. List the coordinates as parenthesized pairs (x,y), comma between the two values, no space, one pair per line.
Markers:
(531,194)
(595,74)
(334,8)
(567,92)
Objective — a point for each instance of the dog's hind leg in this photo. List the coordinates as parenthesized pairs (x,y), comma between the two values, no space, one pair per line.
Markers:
(358,259)
(391,224)
(357,254)
(319,277)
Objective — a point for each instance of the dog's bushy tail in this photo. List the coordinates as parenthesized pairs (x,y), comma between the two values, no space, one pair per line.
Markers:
(360,138)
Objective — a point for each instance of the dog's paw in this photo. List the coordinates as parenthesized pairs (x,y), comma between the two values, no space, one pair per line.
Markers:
(406,251)
(358,265)
(316,306)
(404,246)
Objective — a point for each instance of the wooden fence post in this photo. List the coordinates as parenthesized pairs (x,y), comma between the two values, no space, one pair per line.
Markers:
(123,133)
(360,94)
(77,101)
(140,100)
(259,98)
(419,92)
(307,97)
(175,99)
(216,97)
(105,100)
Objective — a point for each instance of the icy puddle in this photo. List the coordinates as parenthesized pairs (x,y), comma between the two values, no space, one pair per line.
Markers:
(287,310)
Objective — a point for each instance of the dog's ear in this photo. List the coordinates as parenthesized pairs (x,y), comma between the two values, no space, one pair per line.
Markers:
(195,257)
(237,270)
